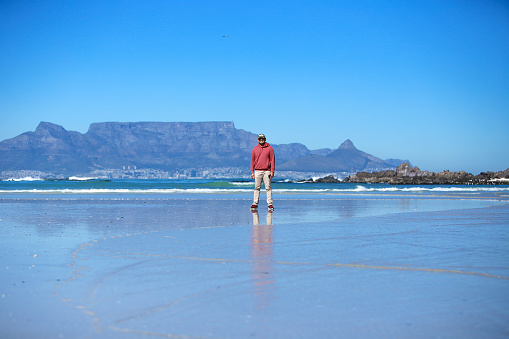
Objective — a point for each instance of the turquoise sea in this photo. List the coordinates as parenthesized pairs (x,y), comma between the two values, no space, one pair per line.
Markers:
(234,186)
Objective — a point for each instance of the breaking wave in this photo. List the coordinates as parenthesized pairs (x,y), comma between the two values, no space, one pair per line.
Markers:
(24,179)
(234,188)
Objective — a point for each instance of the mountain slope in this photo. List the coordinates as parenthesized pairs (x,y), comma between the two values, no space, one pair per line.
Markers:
(347,158)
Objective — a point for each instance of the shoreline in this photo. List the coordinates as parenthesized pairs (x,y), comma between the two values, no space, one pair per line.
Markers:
(142,268)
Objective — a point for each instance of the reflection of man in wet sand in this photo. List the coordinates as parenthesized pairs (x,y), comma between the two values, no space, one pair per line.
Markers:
(263,164)
(256,218)
(262,253)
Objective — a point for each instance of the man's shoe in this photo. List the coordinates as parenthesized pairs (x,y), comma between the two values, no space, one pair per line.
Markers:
(271,208)
(254,207)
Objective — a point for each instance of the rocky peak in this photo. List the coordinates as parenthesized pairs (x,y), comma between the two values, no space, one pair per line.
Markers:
(45,127)
(347,144)
(407,170)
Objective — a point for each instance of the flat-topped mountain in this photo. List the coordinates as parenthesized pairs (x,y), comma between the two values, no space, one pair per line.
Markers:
(164,146)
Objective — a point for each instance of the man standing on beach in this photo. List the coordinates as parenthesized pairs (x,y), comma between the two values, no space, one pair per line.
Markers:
(263,164)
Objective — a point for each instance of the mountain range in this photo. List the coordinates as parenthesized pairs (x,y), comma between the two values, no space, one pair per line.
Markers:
(167,146)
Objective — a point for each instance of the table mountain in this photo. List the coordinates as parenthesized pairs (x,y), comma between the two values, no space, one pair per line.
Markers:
(158,145)
(166,146)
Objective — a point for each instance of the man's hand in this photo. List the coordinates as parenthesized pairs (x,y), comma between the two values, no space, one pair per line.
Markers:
(252,175)
(271,175)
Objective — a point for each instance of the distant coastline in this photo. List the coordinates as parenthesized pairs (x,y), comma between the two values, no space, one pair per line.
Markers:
(405,174)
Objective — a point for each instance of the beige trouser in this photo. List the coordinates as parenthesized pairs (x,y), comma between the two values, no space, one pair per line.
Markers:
(259,175)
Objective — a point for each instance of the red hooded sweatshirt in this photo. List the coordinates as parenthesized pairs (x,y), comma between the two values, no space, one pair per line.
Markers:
(262,158)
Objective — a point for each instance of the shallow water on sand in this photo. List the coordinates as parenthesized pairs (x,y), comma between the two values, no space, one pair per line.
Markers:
(131,266)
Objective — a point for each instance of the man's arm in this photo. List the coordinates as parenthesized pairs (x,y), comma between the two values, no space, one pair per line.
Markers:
(252,163)
(272,162)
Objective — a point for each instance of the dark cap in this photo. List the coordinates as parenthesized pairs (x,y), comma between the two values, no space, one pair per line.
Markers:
(261,136)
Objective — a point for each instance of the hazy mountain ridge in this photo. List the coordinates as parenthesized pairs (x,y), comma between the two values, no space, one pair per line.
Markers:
(347,158)
(165,146)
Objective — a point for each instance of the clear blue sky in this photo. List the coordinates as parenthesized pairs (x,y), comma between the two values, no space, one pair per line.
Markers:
(422,80)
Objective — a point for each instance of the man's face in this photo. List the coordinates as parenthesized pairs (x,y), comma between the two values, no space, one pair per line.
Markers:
(261,141)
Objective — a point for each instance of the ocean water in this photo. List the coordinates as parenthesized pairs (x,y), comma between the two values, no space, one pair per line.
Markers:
(233,186)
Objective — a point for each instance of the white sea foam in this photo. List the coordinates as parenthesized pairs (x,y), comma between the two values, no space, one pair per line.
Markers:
(429,189)
(82,178)
(243,183)
(363,189)
(499,180)
(129,191)
(359,189)
(24,179)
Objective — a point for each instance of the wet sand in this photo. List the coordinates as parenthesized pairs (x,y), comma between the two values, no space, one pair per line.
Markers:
(200,268)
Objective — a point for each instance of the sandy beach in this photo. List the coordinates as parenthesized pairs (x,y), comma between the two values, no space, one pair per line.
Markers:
(207,267)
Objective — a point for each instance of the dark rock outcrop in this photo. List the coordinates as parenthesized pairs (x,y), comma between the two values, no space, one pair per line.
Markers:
(328,179)
(396,162)
(405,174)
